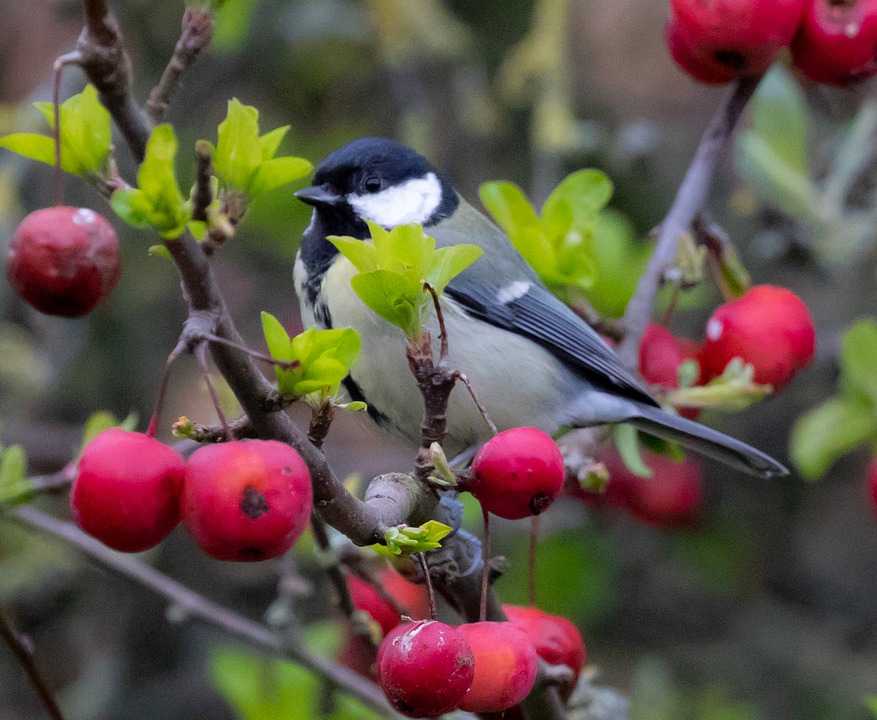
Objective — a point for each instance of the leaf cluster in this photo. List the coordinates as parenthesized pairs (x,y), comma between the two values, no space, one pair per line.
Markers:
(85,136)
(321,359)
(394,267)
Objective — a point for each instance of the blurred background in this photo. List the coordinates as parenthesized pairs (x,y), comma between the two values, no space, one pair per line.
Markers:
(761,605)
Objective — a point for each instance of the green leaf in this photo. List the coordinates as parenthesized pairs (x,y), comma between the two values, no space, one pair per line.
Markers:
(790,189)
(277,172)
(85,135)
(576,201)
(270,141)
(828,431)
(394,297)
(858,361)
(780,116)
(361,254)
(38,147)
(627,441)
(405,540)
(13,468)
(871,704)
(508,205)
(276,337)
(157,201)
(238,149)
(448,262)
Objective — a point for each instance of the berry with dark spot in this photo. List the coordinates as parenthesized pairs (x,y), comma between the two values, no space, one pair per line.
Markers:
(246,500)
(718,41)
(425,668)
(518,473)
(64,260)
(126,490)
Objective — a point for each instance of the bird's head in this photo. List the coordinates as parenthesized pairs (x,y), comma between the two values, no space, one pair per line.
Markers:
(379,180)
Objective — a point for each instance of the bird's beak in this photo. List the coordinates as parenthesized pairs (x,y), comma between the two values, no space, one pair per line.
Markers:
(319,195)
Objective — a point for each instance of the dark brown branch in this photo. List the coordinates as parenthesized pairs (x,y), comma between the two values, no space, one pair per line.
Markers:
(195,605)
(197,32)
(203,194)
(108,67)
(361,523)
(12,637)
(689,200)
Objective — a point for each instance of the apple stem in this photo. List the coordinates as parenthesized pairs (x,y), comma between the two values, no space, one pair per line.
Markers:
(201,354)
(485,565)
(531,578)
(162,392)
(57,67)
(430,592)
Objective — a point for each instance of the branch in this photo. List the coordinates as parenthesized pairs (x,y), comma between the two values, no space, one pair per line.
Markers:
(689,200)
(12,637)
(108,67)
(196,36)
(196,605)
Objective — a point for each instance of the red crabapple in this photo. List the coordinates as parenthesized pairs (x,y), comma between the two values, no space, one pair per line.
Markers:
(718,38)
(837,42)
(660,355)
(367,598)
(505,666)
(517,473)
(246,500)
(64,260)
(126,490)
(769,328)
(425,668)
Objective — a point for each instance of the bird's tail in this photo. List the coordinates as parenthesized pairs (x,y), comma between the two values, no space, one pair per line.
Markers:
(706,441)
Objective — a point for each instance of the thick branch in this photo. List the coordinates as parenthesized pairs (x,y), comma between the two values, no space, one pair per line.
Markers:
(10,635)
(108,67)
(689,200)
(193,604)
(361,523)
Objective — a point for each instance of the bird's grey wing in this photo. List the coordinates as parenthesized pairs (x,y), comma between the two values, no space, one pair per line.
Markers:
(527,308)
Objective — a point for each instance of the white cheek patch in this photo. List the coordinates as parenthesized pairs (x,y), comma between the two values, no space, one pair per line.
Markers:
(414,201)
(513,291)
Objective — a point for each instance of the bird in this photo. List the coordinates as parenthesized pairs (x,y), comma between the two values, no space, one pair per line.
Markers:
(529,358)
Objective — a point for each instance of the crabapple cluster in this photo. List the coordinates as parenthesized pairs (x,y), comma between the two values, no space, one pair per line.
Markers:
(485,667)
(717,41)
(242,500)
(769,328)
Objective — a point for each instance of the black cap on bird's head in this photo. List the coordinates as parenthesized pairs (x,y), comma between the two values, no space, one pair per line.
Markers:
(378,179)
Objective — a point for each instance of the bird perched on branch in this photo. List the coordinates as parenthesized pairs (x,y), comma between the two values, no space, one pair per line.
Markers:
(530,359)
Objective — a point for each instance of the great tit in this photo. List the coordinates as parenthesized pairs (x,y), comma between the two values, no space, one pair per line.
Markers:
(530,359)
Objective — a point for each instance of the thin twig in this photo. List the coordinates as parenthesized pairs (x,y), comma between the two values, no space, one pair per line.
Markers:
(443,332)
(197,32)
(481,409)
(430,592)
(203,195)
(12,637)
(333,570)
(485,565)
(195,605)
(255,354)
(689,200)
(201,354)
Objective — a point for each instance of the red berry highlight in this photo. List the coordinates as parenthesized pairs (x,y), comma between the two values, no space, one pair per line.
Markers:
(720,40)
(517,473)
(126,490)
(769,328)
(64,260)
(425,668)
(505,666)
(246,500)
(837,42)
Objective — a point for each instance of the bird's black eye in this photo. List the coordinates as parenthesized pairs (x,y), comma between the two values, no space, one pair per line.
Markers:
(372,184)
